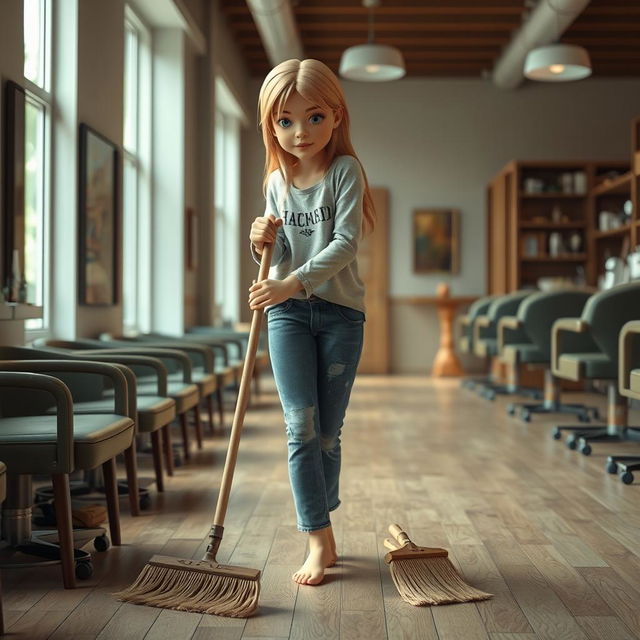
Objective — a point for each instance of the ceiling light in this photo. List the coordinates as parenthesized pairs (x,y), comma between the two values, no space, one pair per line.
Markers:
(372,62)
(557,63)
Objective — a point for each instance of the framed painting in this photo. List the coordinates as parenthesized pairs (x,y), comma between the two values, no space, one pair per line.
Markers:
(436,240)
(14,188)
(98,200)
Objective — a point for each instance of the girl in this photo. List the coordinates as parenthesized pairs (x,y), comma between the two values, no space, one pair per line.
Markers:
(318,206)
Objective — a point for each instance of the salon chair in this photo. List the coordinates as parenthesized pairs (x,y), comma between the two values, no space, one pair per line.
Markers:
(534,320)
(602,319)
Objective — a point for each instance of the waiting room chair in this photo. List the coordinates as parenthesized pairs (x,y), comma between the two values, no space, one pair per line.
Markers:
(153,413)
(602,319)
(182,391)
(485,341)
(242,339)
(629,385)
(534,321)
(34,441)
(465,342)
(211,369)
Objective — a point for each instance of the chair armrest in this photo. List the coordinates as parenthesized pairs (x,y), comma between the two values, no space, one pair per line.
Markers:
(482,322)
(629,336)
(155,364)
(110,371)
(216,345)
(506,323)
(560,326)
(171,355)
(205,352)
(64,410)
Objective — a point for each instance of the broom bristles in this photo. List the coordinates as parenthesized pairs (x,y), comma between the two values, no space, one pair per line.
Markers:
(432,581)
(197,591)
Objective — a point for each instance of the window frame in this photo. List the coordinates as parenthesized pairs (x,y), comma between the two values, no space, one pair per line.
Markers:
(44,98)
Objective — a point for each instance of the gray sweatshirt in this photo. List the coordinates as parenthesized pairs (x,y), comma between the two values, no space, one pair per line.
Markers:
(318,241)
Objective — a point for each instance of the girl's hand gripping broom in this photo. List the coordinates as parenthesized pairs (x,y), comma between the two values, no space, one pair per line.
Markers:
(206,586)
(425,575)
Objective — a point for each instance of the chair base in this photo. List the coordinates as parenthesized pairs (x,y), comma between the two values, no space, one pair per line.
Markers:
(490,390)
(40,551)
(526,409)
(82,490)
(580,436)
(624,434)
(472,383)
(623,465)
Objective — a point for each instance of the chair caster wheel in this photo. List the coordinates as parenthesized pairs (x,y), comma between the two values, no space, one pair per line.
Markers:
(84,570)
(101,543)
(612,467)
(491,395)
(572,443)
(595,414)
(511,409)
(526,415)
(585,450)
(627,477)
(145,502)
(583,417)
(556,434)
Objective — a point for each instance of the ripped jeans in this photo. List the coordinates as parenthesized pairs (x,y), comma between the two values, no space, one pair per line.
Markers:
(315,347)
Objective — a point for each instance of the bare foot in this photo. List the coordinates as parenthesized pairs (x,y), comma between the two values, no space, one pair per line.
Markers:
(320,555)
(333,557)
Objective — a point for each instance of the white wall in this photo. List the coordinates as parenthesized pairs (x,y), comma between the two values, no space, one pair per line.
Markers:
(438,143)
(100,100)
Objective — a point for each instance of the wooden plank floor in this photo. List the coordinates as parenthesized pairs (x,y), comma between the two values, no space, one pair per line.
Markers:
(545,529)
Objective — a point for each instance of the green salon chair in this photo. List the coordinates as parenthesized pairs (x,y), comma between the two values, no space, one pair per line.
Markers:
(601,320)
(214,371)
(153,413)
(629,385)
(485,341)
(535,318)
(241,338)
(34,441)
(465,342)
(182,391)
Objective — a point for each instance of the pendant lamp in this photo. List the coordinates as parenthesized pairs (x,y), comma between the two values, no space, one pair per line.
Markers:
(372,62)
(557,63)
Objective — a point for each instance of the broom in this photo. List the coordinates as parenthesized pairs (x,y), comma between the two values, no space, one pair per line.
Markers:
(425,575)
(206,586)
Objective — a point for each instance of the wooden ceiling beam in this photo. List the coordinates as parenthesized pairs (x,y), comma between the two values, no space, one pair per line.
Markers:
(382,27)
(453,41)
(386,11)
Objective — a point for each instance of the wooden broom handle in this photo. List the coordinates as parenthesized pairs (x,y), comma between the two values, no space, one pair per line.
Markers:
(399,534)
(243,396)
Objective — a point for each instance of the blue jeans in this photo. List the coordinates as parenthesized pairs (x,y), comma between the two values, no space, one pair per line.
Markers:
(315,347)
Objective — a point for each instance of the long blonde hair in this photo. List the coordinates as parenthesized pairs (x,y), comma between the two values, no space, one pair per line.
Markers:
(315,82)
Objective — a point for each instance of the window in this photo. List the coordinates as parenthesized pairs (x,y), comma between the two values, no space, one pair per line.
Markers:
(228,118)
(37,60)
(137,186)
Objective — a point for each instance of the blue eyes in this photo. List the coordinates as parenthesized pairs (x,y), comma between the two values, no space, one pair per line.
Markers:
(316,118)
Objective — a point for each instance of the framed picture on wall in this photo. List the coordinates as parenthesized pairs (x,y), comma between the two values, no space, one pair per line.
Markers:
(98,201)
(436,240)
(13,228)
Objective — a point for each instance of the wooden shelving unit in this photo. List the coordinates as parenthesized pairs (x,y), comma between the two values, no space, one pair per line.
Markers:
(635,182)
(538,223)
(529,202)
(611,189)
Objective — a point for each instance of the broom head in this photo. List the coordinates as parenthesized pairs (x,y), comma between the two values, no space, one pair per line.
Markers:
(426,576)
(195,585)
